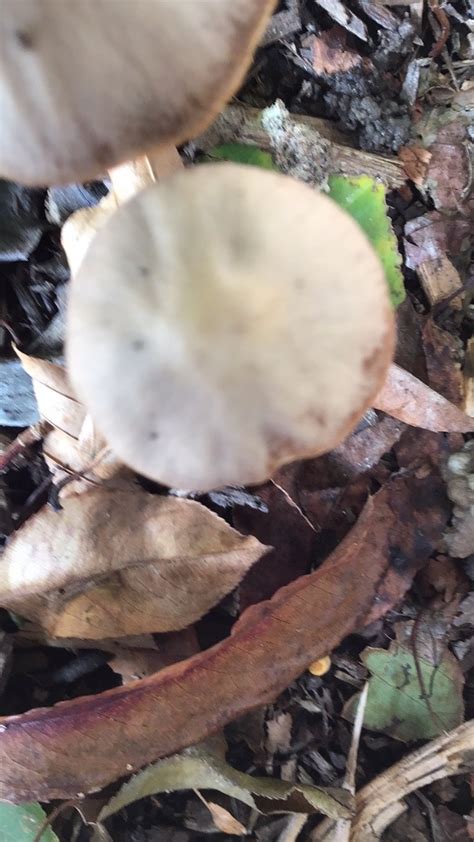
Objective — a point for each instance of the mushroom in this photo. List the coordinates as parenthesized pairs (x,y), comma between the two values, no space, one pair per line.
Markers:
(224,322)
(86,85)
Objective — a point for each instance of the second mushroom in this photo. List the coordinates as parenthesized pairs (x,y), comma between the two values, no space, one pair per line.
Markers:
(227,321)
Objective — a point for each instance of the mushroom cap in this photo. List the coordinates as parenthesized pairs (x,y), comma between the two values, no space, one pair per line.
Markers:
(85,85)
(227,321)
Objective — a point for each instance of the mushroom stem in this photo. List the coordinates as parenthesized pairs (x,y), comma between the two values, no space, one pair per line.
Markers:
(134,175)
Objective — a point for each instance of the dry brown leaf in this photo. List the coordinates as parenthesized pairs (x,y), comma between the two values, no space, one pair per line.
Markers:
(223,820)
(408,399)
(72,445)
(122,562)
(415,160)
(83,744)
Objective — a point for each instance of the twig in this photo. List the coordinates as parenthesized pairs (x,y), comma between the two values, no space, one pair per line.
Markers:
(243,124)
(425,695)
(81,474)
(52,816)
(24,442)
(342,827)
(379,803)
(294,504)
(445,28)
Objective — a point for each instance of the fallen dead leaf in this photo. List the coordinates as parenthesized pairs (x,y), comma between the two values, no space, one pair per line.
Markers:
(425,680)
(122,562)
(83,744)
(408,399)
(72,445)
(197,769)
(415,160)
(223,820)
(442,581)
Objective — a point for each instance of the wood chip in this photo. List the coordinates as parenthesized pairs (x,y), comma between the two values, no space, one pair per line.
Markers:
(281,26)
(341,14)
(469,379)
(380,802)
(440,280)
(329,53)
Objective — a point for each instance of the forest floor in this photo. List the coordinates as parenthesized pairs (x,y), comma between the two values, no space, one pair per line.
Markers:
(388,91)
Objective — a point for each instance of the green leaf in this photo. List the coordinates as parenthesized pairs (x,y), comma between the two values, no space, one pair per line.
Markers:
(240,153)
(198,769)
(364,199)
(396,703)
(21,823)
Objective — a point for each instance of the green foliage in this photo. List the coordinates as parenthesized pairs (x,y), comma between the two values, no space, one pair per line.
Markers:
(21,823)
(364,199)
(240,153)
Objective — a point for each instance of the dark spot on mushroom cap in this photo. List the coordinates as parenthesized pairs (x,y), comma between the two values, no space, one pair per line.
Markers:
(25,39)
(137,344)
(153,435)
(144,271)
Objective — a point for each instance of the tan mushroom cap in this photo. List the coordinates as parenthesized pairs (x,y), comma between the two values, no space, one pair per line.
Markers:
(227,321)
(86,84)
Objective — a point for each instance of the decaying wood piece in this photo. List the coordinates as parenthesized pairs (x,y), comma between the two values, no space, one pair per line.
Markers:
(23,442)
(469,379)
(440,280)
(238,123)
(379,803)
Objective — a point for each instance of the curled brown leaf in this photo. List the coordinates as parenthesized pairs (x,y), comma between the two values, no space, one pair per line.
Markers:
(83,744)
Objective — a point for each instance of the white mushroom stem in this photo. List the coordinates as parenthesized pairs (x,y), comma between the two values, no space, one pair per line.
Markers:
(127,180)
(132,176)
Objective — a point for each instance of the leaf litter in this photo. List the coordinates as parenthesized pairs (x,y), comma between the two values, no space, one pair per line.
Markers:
(271,644)
(318,502)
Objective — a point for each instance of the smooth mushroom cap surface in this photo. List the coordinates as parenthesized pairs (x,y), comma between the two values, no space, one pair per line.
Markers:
(86,84)
(227,321)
